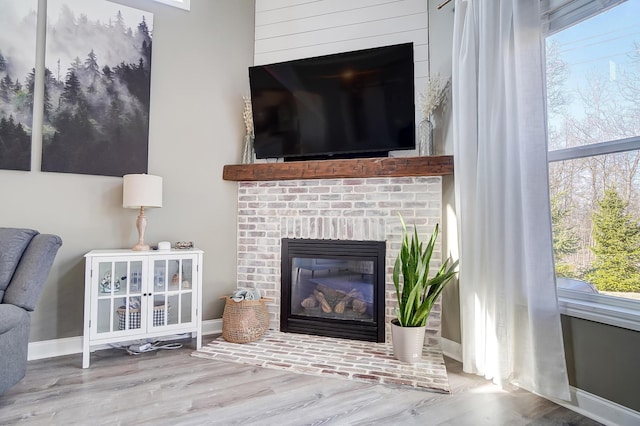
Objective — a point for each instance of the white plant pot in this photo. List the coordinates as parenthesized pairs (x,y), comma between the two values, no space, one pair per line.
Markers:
(407,342)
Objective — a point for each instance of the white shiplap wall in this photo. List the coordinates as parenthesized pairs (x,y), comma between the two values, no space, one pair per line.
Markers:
(294,29)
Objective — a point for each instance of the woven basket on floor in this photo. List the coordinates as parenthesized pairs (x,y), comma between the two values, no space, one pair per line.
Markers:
(244,321)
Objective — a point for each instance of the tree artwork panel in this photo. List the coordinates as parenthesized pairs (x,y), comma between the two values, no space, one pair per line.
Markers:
(18,26)
(97,88)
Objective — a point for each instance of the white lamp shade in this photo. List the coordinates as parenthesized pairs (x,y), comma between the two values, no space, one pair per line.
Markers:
(141,190)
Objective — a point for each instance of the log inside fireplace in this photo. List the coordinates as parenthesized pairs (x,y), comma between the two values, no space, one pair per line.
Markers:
(333,288)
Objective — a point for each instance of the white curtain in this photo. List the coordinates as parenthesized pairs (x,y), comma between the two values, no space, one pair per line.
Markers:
(510,319)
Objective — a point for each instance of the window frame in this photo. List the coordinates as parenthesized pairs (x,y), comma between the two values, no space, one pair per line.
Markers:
(616,311)
(593,150)
(601,308)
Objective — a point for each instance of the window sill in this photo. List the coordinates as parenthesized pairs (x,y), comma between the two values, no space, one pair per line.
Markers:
(609,310)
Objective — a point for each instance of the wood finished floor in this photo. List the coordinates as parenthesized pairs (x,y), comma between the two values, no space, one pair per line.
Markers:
(174,388)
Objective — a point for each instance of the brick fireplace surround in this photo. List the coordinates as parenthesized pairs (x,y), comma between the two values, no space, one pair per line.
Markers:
(343,208)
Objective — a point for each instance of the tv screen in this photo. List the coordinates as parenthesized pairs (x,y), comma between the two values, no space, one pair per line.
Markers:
(352,104)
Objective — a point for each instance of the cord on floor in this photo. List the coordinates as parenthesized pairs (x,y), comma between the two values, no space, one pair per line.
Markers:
(151,347)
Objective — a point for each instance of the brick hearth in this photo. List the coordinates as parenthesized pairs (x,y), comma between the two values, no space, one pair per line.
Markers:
(347,209)
(331,357)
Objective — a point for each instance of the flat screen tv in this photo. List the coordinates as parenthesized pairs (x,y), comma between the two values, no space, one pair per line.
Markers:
(344,105)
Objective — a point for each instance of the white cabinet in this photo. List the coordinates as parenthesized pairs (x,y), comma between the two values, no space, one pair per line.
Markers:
(131,295)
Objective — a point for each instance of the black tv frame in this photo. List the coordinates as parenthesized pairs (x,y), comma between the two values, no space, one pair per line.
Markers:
(346,105)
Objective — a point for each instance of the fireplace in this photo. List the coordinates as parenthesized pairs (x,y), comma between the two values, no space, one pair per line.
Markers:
(331,209)
(333,288)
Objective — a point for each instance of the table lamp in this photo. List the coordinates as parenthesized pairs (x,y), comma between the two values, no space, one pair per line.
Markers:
(140,191)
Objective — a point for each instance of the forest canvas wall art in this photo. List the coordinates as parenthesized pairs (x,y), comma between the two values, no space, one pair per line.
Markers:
(97,88)
(18,26)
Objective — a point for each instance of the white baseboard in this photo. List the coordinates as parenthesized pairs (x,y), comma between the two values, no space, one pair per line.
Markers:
(73,345)
(56,347)
(451,349)
(600,409)
(213,326)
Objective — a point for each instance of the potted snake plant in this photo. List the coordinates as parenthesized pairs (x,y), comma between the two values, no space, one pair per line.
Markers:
(417,294)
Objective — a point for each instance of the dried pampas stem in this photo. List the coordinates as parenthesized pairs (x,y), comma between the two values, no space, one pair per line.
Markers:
(247,114)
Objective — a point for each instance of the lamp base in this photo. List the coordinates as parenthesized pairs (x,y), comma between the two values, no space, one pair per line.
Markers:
(141,224)
(141,247)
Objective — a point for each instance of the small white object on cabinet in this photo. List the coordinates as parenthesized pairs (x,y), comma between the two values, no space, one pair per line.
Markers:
(132,295)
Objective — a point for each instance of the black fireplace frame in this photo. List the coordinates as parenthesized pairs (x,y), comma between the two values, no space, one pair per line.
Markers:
(375,251)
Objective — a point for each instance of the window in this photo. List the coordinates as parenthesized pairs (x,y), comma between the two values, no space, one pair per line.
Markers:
(182,4)
(593,117)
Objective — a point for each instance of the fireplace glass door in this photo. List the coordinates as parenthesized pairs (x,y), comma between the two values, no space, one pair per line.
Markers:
(332,288)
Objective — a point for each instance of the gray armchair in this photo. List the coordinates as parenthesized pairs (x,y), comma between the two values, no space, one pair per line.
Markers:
(25,261)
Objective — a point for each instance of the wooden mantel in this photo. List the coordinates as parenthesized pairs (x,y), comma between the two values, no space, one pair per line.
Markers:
(352,168)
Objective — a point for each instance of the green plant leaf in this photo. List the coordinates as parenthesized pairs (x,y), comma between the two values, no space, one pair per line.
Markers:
(416,292)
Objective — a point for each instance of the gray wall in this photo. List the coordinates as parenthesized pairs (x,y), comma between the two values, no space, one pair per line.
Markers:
(601,359)
(199,74)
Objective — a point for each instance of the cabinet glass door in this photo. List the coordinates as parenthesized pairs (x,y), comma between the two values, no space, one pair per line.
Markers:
(172,292)
(119,290)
